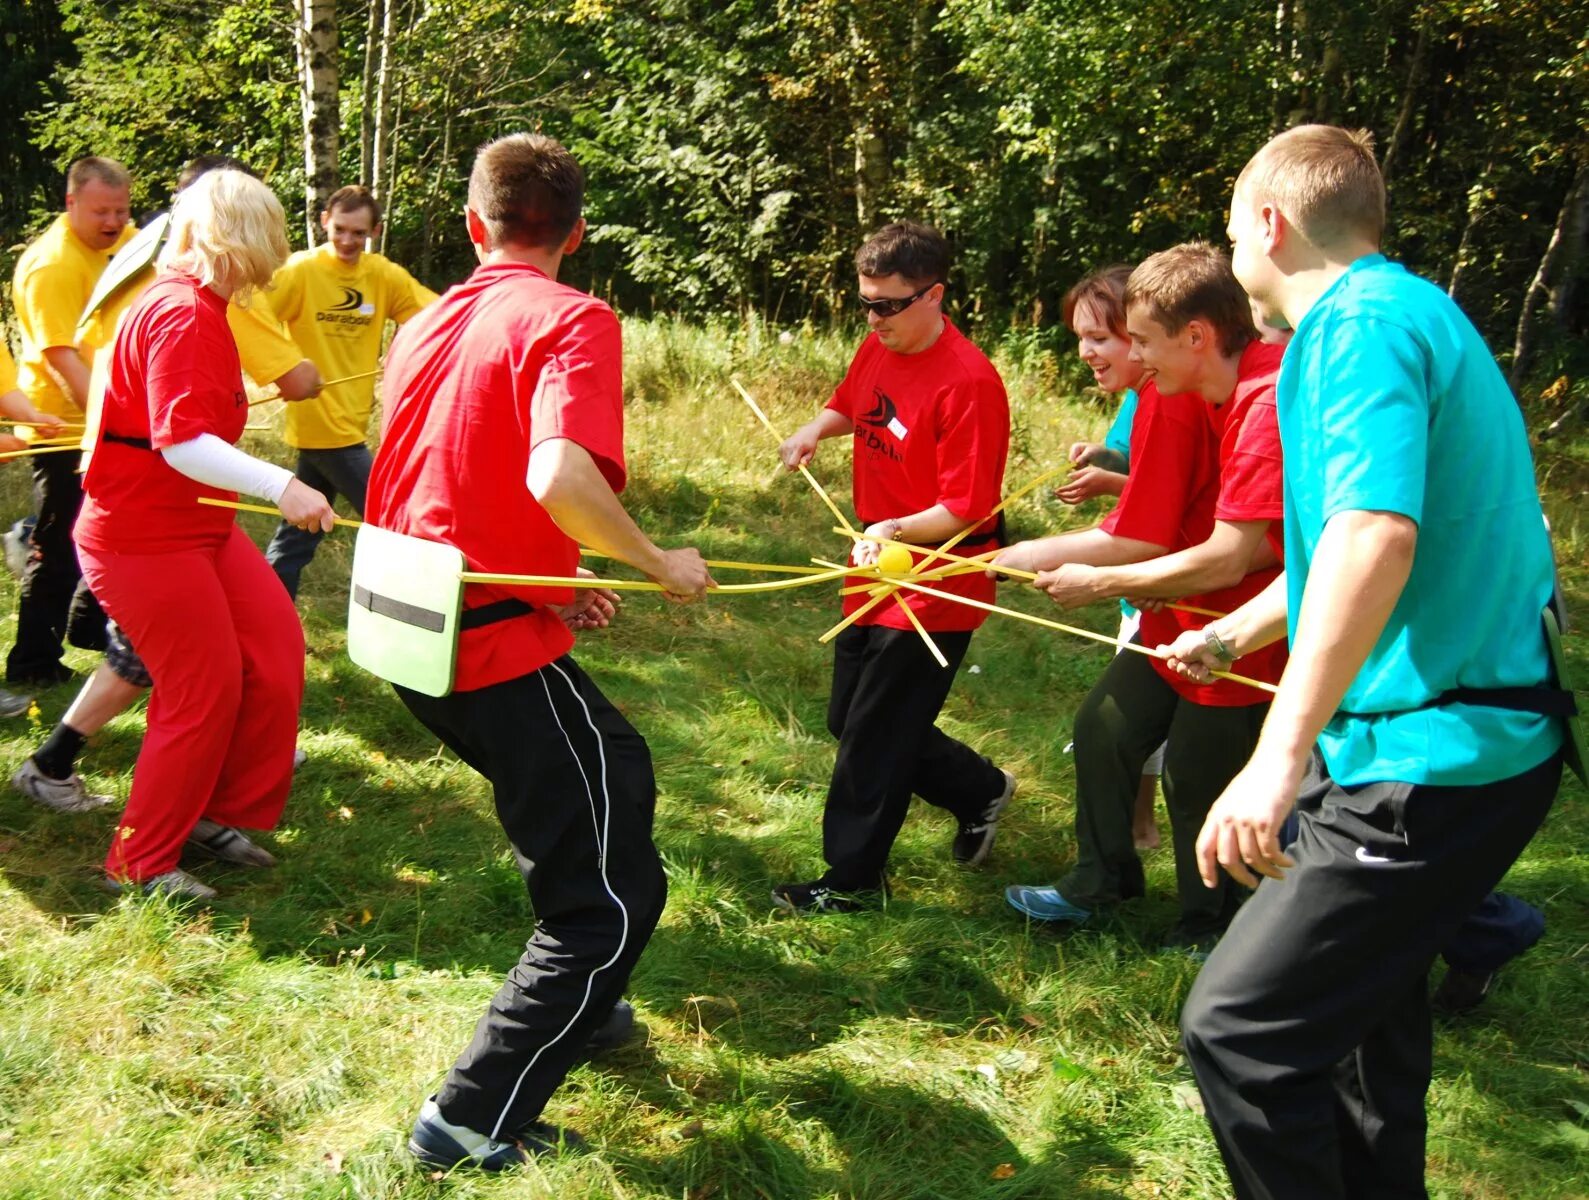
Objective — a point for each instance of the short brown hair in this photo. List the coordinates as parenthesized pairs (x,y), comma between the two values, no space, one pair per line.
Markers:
(354,197)
(1194,281)
(1105,291)
(1325,180)
(527,189)
(107,170)
(915,252)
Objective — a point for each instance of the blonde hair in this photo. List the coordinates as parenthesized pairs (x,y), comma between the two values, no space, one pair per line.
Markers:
(227,228)
(1325,180)
(1193,281)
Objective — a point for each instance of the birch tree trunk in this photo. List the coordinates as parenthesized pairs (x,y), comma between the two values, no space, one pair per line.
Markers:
(380,170)
(1558,267)
(317,78)
(372,29)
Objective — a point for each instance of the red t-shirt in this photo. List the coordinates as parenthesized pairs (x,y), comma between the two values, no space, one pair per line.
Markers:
(174,374)
(930,428)
(1181,452)
(501,363)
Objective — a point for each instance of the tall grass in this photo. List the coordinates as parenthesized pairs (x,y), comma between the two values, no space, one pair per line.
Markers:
(279,1044)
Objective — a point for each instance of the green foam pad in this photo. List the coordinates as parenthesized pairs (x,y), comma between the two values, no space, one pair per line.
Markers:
(403,609)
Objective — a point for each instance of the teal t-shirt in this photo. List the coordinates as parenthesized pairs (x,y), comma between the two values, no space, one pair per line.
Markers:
(1390,401)
(1118,438)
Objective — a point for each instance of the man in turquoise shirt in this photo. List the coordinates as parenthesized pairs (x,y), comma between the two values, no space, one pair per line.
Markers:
(1417,566)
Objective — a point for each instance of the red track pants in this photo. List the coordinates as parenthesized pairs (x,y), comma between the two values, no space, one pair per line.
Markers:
(223,644)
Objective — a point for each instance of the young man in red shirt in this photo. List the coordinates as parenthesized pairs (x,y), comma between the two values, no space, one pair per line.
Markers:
(1199,519)
(503,436)
(931,426)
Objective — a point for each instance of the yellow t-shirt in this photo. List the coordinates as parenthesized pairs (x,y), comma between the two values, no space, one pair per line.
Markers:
(8,369)
(337,315)
(54,278)
(262,344)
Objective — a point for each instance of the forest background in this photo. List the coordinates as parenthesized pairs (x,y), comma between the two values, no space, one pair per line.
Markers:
(737,150)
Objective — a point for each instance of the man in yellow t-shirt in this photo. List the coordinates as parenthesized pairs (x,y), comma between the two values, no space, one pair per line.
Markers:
(335,301)
(54,279)
(49,776)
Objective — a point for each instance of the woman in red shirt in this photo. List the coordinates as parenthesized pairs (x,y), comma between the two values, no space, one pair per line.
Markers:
(211,621)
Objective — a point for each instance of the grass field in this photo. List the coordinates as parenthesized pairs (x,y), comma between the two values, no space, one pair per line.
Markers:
(279,1044)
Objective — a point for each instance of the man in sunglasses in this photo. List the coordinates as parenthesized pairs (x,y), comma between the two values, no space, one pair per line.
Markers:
(931,429)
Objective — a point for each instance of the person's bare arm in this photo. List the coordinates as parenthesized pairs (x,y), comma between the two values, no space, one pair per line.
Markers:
(568,484)
(300,383)
(1044,555)
(1219,562)
(72,371)
(800,447)
(1359,569)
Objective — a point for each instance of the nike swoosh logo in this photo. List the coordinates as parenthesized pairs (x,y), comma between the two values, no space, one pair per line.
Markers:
(1363,856)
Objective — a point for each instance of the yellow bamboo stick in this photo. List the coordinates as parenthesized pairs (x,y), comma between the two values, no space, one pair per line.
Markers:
(1072,629)
(216,502)
(777,585)
(998,508)
(40,424)
(324,383)
(955,561)
(810,478)
(911,616)
(726,564)
(41,450)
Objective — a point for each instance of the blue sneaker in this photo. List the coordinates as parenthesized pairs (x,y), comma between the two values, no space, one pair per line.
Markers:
(1044,904)
(437,1142)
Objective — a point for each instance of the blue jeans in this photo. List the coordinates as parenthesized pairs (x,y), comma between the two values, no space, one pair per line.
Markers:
(343,471)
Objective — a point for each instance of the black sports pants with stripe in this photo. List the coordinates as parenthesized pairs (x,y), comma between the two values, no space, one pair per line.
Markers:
(1308,1029)
(576,795)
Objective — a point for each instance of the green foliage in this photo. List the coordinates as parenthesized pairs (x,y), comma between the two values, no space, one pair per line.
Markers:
(738,151)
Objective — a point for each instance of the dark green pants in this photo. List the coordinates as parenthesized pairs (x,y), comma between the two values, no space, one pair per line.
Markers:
(1125,717)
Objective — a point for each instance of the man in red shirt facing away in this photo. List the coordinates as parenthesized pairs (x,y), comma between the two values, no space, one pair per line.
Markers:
(1200,519)
(503,437)
(931,426)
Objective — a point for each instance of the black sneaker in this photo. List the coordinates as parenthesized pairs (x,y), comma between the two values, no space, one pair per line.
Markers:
(818,897)
(1197,945)
(973,840)
(437,1144)
(1461,991)
(617,1029)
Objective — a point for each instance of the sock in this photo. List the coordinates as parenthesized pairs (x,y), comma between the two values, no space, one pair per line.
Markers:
(57,758)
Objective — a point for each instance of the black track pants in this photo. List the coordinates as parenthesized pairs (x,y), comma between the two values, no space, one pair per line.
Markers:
(576,796)
(1308,1030)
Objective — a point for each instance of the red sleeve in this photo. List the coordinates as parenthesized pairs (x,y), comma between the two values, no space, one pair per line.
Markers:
(973,439)
(579,392)
(846,397)
(1251,486)
(1168,443)
(191,375)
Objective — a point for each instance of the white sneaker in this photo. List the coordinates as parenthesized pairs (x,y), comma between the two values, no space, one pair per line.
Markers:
(299,757)
(229,844)
(67,795)
(177,883)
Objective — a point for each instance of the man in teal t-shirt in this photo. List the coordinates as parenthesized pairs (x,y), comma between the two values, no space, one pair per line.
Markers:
(1417,565)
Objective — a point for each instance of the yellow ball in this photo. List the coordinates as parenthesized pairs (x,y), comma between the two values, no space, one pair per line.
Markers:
(894,560)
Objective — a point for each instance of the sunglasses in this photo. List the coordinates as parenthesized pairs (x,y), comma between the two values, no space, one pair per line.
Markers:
(892,306)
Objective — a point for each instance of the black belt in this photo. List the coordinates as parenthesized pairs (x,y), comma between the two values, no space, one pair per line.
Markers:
(433,621)
(142,443)
(1543,699)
